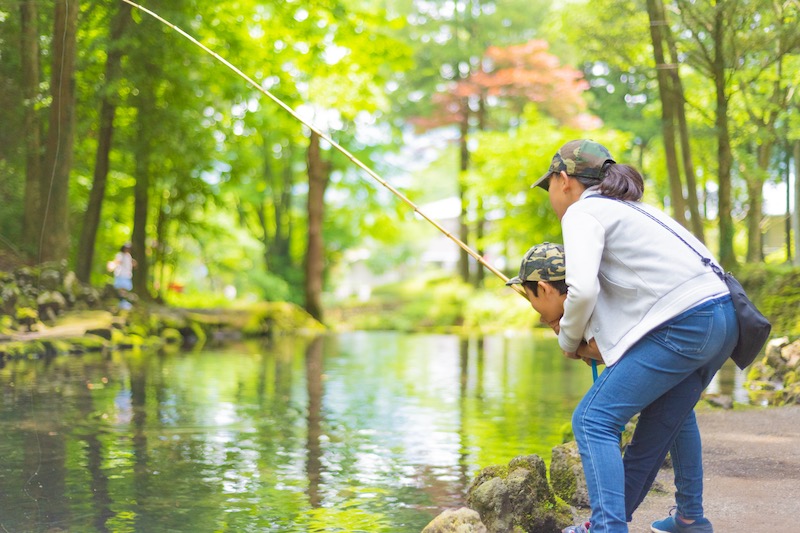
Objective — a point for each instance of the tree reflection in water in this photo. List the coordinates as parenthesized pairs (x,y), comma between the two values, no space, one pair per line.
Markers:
(360,431)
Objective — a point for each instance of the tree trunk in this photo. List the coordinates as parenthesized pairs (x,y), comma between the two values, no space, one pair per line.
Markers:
(60,138)
(277,202)
(724,155)
(283,214)
(696,220)
(796,214)
(463,228)
(667,111)
(754,248)
(141,190)
(108,107)
(318,171)
(480,232)
(315,390)
(755,186)
(29,57)
(480,223)
(159,251)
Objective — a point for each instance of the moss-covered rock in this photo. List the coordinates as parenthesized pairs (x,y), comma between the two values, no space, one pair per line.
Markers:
(566,475)
(774,379)
(9,296)
(49,279)
(56,347)
(271,319)
(517,497)
(50,304)
(461,520)
(88,343)
(22,350)
(7,325)
(27,317)
(194,335)
(171,336)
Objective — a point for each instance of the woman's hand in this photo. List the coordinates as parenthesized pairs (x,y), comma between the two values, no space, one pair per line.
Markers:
(589,352)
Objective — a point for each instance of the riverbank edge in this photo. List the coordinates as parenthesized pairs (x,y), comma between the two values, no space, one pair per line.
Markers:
(46,311)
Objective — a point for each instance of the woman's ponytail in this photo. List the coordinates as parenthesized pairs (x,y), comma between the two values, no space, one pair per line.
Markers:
(621,181)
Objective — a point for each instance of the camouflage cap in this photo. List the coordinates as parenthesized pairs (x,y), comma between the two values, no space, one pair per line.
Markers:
(584,158)
(543,262)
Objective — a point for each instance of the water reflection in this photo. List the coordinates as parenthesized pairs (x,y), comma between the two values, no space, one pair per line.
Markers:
(358,432)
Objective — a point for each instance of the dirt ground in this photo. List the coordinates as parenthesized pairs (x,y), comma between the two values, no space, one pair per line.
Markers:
(752,472)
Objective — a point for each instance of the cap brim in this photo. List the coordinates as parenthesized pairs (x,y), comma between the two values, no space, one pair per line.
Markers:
(514,281)
(542,181)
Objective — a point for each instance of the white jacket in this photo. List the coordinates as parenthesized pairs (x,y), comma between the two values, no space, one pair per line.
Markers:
(627,274)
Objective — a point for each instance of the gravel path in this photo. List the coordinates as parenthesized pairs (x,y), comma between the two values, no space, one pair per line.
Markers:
(752,472)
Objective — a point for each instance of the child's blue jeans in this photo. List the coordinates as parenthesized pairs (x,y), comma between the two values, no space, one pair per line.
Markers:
(661,377)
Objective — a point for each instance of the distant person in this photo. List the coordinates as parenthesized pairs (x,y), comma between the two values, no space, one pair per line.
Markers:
(122,266)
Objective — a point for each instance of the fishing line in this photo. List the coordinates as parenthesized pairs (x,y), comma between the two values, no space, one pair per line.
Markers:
(371,173)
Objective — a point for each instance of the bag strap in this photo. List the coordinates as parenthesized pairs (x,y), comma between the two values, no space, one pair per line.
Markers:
(706,260)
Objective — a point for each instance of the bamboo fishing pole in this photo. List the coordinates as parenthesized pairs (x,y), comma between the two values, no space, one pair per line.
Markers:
(330,141)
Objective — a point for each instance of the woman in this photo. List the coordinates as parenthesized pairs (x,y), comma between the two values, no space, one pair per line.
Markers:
(664,324)
(122,266)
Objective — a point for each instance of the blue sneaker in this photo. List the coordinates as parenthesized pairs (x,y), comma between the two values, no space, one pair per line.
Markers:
(580,528)
(673,524)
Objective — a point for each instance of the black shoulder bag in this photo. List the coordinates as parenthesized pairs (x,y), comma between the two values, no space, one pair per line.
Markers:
(754,328)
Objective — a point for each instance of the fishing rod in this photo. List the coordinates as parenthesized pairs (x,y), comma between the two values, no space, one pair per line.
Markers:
(371,173)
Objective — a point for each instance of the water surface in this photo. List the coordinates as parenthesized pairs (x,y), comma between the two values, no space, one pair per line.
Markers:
(374,432)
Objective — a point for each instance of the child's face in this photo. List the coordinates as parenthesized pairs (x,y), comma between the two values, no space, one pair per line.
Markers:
(549,303)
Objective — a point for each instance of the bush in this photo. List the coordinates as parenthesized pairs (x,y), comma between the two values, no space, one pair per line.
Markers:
(775,289)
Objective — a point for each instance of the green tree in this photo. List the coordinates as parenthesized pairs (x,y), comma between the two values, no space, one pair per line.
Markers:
(60,135)
(108,108)
(451,39)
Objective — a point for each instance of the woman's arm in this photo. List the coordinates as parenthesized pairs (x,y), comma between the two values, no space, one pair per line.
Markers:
(584,239)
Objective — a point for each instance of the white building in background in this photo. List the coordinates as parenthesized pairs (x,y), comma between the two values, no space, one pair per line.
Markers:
(356,279)
(438,252)
(773,223)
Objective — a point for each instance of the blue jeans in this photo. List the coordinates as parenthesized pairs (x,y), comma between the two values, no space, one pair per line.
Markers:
(123,282)
(661,377)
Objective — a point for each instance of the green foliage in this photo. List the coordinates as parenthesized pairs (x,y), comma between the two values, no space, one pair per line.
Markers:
(776,292)
(271,319)
(505,164)
(227,166)
(440,303)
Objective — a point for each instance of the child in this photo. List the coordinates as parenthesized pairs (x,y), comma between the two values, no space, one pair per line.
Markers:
(542,274)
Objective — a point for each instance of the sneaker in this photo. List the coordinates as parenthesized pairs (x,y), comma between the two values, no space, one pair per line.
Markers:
(672,524)
(580,528)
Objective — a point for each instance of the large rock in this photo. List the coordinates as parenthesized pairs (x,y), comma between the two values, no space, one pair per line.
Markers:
(461,520)
(49,279)
(566,475)
(774,379)
(9,295)
(51,304)
(517,498)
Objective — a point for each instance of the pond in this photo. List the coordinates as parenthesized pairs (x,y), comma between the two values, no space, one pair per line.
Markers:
(373,432)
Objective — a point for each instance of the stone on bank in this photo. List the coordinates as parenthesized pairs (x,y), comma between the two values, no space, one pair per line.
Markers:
(513,498)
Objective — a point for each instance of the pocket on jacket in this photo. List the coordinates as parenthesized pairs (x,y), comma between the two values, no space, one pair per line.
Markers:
(616,289)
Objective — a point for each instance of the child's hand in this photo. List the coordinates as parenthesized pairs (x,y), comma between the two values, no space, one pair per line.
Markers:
(554,324)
